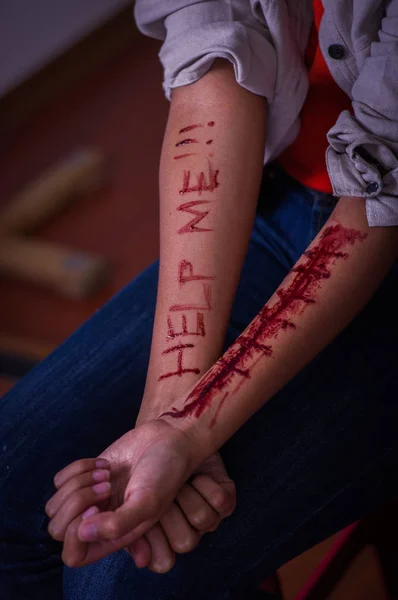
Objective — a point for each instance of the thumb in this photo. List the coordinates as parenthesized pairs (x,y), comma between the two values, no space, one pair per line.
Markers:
(153,485)
(141,506)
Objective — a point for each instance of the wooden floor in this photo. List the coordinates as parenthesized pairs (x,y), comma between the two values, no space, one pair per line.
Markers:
(119,109)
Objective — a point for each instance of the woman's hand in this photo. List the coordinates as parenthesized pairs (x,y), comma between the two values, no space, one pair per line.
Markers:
(148,468)
(199,507)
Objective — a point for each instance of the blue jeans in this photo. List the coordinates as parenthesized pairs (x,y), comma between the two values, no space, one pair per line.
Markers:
(317,456)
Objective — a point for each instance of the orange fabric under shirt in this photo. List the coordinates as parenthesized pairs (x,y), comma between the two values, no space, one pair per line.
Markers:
(305,158)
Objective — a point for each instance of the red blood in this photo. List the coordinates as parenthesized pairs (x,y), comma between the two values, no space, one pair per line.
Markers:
(188,207)
(201,183)
(200,327)
(187,141)
(186,307)
(209,142)
(252,345)
(180,370)
(190,127)
(184,155)
(185,273)
(211,123)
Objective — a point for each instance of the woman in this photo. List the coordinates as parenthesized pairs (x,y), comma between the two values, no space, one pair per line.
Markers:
(301,404)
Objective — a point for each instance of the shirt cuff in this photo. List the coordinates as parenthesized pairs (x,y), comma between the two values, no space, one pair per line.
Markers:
(361,164)
(188,54)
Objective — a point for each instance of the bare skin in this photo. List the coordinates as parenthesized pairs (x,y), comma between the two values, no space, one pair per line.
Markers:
(199,505)
(151,464)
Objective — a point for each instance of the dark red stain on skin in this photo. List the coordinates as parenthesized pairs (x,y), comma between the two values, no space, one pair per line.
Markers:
(202,185)
(180,370)
(254,343)
(209,142)
(211,123)
(184,155)
(187,141)
(190,127)
(188,207)
(186,307)
(186,274)
(200,327)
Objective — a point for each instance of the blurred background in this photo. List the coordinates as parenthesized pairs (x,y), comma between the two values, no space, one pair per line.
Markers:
(82,115)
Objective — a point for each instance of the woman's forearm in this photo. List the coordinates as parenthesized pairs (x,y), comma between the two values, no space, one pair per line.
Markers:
(329,285)
(210,173)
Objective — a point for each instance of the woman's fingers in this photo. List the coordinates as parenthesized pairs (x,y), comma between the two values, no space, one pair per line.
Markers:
(112,525)
(197,510)
(173,534)
(78,554)
(78,467)
(93,510)
(84,480)
(162,555)
(75,504)
(141,507)
(220,496)
(180,527)
(180,535)
(141,552)
(158,555)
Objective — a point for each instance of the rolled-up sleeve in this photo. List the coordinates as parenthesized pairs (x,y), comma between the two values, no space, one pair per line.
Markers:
(363,155)
(196,32)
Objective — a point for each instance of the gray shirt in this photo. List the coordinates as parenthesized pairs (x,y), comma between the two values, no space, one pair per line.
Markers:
(265,40)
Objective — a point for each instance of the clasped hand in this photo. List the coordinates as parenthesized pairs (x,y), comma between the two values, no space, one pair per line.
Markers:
(144,493)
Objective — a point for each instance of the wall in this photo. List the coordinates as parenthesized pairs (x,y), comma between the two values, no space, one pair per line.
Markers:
(32,32)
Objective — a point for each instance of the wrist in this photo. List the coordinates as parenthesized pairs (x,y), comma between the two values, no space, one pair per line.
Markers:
(176,442)
(159,397)
(199,444)
(162,407)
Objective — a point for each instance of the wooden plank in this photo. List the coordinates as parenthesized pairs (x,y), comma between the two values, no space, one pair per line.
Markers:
(34,349)
(52,191)
(73,274)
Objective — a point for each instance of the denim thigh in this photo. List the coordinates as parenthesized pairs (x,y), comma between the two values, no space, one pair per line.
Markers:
(318,455)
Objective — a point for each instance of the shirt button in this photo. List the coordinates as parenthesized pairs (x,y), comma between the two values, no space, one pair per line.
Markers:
(372,188)
(336,51)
